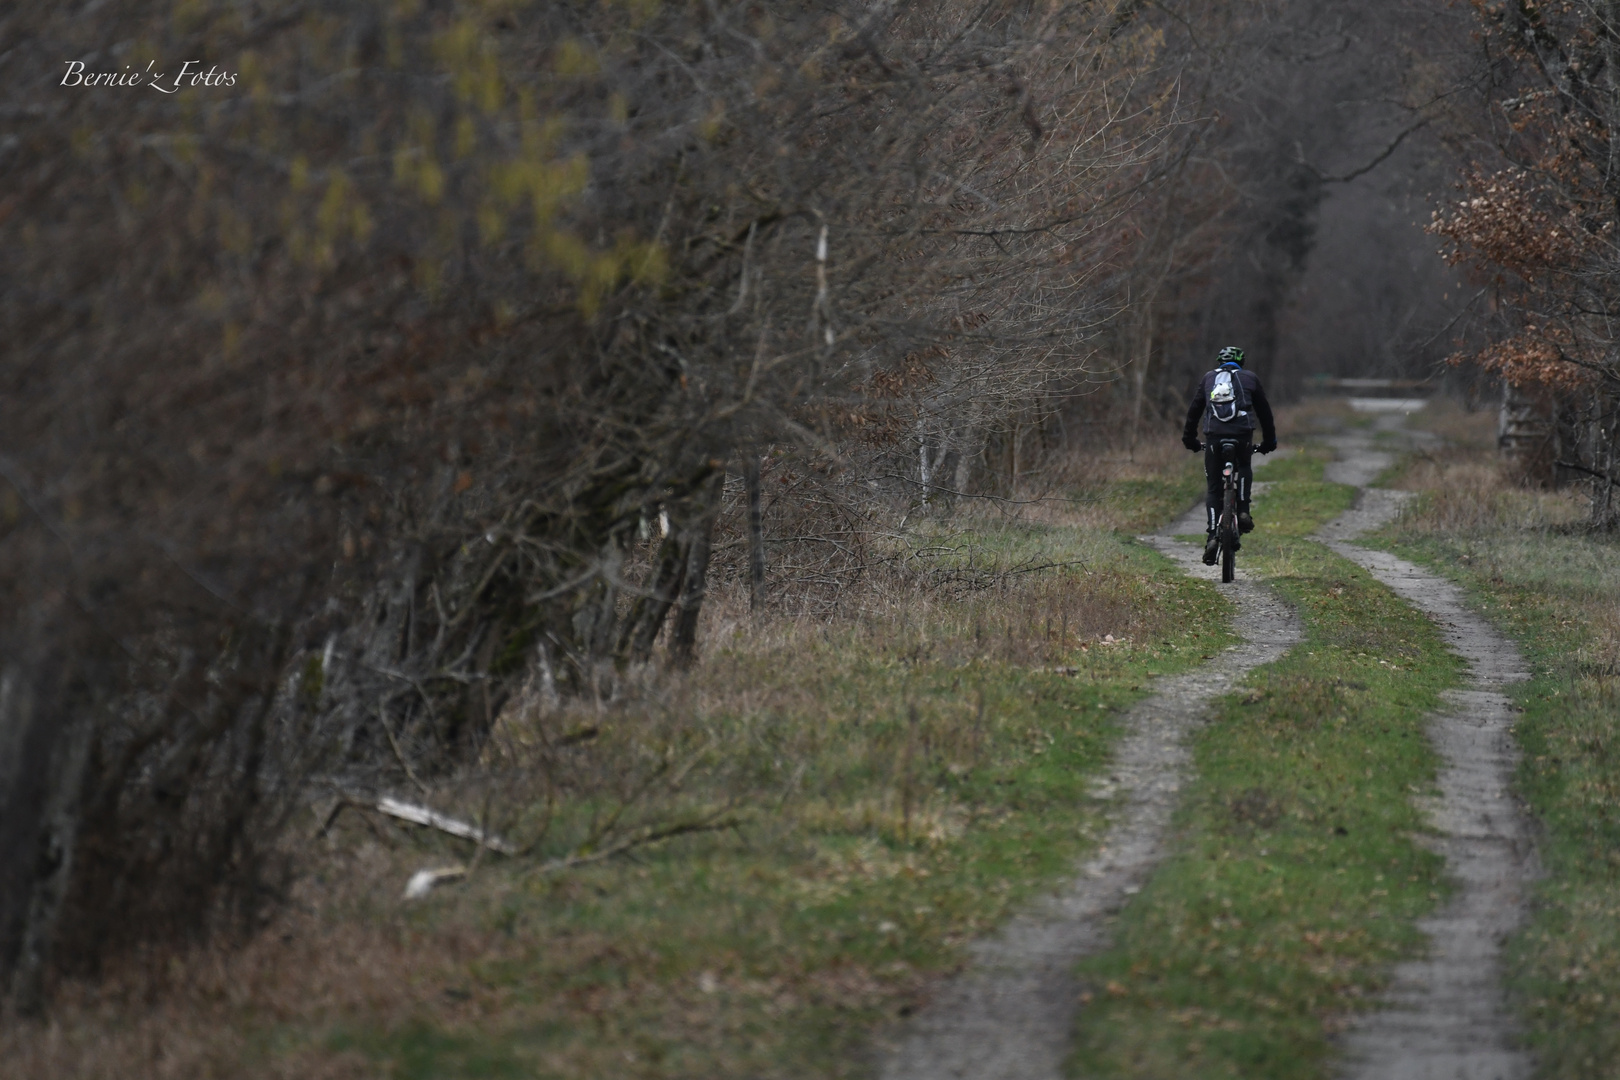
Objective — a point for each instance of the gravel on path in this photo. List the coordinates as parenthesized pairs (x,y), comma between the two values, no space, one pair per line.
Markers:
(1446,1015)
(1010,1015)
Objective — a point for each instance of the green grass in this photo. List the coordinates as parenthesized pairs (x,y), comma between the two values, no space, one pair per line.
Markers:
(908,782)
(1150,502)
(1296,463)
(1295,879)
(1558,595)
(1298,501)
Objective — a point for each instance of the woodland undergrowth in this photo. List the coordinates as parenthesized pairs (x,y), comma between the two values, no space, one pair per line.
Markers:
(745,867)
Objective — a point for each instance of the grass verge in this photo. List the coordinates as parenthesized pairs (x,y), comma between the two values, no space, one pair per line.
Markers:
(1296,879)
(1557,592)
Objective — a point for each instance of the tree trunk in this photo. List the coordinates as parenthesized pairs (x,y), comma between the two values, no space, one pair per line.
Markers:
(756,533)
(647,614)
(1141,378)
(965,453)
(47,749)
(925,466)
(683,646)
(1604,427)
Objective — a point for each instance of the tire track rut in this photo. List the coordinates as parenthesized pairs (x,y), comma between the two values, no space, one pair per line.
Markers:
(1447,1015)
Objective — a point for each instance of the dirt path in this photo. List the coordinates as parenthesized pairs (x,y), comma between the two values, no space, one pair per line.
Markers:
(1447,1017)
(1010,1015)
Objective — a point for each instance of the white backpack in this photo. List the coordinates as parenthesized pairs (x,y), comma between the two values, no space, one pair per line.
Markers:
(1228,399)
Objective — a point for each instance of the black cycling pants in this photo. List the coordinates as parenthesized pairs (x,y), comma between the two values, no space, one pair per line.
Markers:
(1213,462)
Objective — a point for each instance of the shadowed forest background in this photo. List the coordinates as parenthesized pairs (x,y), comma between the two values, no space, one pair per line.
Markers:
(385,420)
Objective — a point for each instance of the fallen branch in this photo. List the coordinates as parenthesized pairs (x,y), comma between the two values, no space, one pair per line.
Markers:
(1578,467)
(422,815)
(640,838)
(419,815)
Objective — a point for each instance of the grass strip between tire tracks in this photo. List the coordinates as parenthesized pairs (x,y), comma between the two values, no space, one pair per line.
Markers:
(1296,880)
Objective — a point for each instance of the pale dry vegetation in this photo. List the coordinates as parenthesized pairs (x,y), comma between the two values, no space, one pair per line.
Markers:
(1464,495)
(1483,504)
(1462,429)
(1467,488)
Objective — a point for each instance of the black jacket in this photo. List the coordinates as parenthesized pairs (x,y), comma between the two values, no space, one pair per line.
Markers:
(1259,407)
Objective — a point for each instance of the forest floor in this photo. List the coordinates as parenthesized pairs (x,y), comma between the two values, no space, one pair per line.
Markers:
(896,798)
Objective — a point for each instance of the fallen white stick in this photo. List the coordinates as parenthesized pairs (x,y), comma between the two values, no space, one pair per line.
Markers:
(421,815)
(422,881)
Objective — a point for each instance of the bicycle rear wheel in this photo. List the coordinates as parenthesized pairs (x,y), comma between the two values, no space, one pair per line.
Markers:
(1229,534)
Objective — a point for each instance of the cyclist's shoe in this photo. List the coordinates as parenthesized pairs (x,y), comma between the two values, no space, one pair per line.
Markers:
(1245,522)
(1212,550)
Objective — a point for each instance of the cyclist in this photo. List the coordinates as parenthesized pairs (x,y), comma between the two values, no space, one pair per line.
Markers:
(1229,399)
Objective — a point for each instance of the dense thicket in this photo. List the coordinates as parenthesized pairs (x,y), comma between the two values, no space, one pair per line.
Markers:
(345,397)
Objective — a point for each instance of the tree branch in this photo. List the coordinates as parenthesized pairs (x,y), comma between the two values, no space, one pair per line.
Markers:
(1371,165)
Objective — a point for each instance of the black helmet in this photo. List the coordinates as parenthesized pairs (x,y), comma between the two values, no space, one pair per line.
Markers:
(1232,355)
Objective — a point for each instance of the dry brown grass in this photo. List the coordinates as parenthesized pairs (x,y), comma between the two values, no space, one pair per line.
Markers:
(1468,491)
(202,1014)
(1462,429)
(1467,488)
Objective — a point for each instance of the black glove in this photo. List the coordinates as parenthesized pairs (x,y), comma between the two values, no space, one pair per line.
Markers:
(1191,443)
(1267,446)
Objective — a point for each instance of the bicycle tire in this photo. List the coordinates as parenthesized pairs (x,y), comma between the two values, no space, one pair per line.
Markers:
(1229,534)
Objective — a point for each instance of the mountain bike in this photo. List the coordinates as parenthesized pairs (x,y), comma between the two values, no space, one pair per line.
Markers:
(1226,528)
